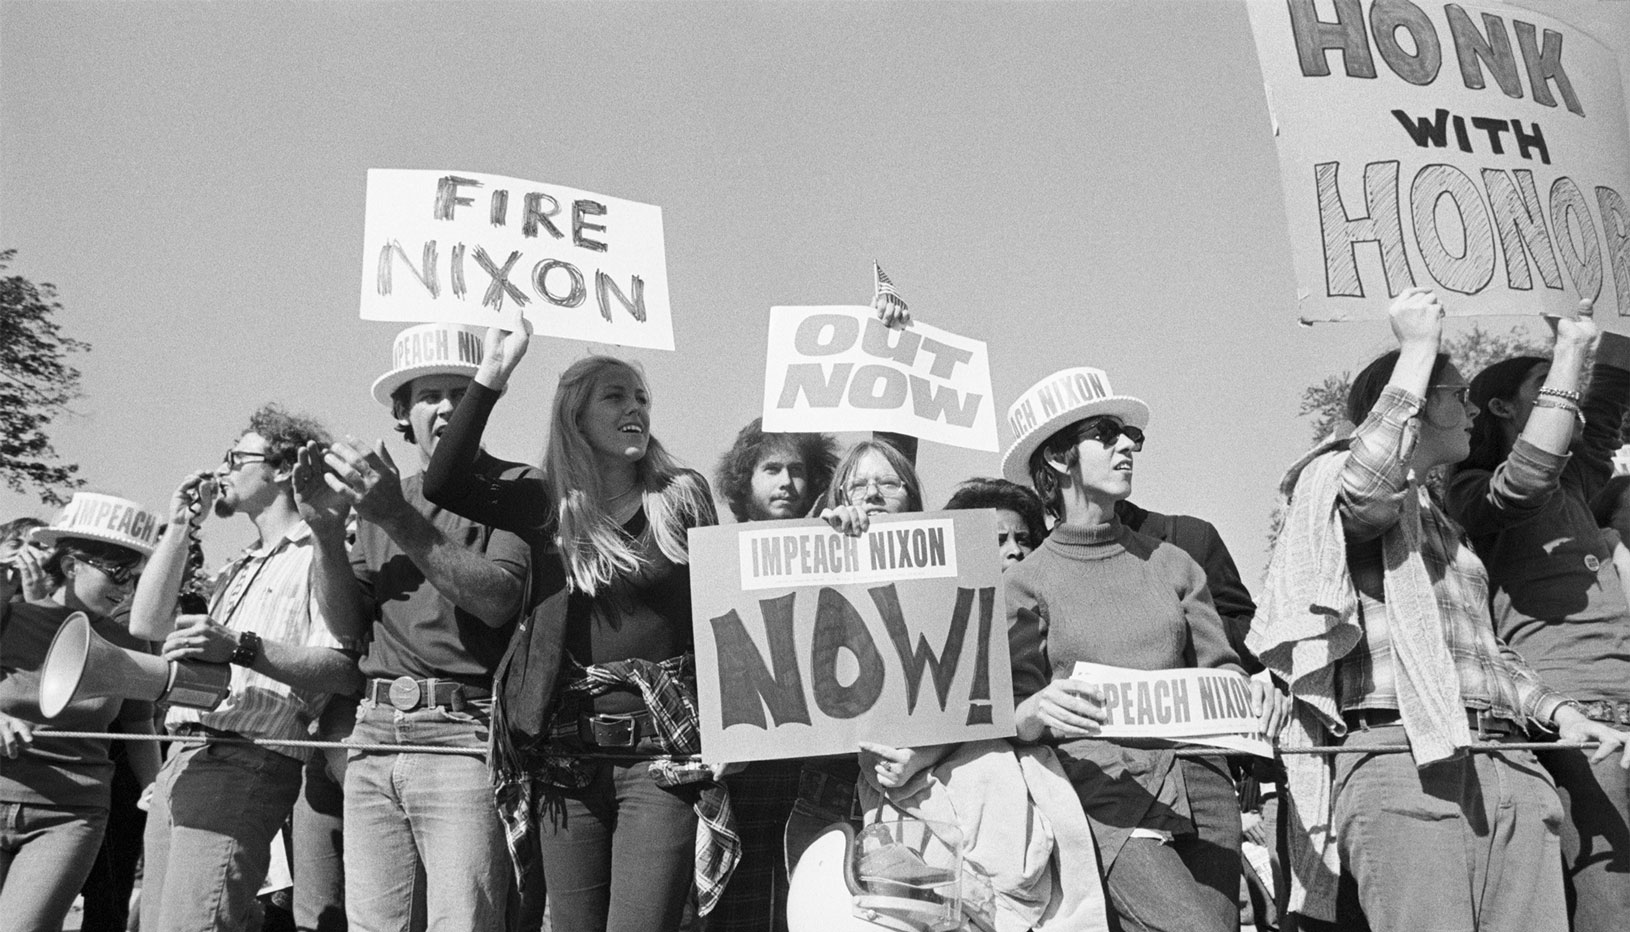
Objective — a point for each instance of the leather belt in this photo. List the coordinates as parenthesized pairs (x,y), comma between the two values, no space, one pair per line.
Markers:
(406,694)
(617,729)
(1607,710)
(1479,721)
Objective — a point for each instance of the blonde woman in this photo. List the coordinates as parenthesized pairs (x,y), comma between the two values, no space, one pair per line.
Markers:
(595,704)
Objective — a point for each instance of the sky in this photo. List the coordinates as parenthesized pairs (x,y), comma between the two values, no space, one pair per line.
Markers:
(1076,184)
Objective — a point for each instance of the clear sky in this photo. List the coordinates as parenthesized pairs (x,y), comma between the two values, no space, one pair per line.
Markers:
(1077,184)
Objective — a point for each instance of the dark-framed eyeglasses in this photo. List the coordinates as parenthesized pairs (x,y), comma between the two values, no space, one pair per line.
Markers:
(235,459)
(1108,432)
(117,573)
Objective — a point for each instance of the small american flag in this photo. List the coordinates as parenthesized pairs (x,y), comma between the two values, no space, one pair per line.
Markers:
(884,286)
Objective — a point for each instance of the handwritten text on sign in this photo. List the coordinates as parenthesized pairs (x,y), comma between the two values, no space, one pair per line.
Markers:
(1479,151)
(471,248)
(808,645)
(840,368)
(1194,706)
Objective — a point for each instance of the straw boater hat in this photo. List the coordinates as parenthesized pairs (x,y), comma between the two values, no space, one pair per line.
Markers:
(430,349)
(106,518)
(1055,403)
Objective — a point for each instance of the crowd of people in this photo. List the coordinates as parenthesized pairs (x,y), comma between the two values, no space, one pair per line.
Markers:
(505,651)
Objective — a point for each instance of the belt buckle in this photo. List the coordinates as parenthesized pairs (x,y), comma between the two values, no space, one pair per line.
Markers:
(614,731)
(404,693)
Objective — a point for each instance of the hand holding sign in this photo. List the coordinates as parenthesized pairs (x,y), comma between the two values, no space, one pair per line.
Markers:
(1064,709)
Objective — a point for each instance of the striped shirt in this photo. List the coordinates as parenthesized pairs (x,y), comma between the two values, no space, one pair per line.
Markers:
(267,590)
(1374,483)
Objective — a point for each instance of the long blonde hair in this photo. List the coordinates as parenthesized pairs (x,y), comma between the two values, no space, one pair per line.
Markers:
(594,547)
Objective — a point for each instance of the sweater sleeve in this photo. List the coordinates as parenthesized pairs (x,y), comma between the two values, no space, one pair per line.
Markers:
(1208,639)
(516,504)
(1487,502)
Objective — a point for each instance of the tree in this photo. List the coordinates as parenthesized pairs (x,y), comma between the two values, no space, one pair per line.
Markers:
(36,385)
(1472,351)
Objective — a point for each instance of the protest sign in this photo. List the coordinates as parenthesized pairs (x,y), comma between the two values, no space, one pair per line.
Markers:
(809,641)
(470,248)
(1193,706)
(1480,151)
(840,368)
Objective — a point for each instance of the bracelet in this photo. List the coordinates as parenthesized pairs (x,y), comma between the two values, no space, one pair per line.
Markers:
(1563,393)
(1560,405)
(248,649)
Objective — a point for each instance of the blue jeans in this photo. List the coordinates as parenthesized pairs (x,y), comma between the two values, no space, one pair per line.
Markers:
(619,854)
(216,808)
(1191,884)
(318,836)
(46,852)
(1469,845)
(422,836)
(1595,838)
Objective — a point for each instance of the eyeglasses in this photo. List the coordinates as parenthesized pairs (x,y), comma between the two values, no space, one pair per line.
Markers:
(117,573)
(1461,392)
(861,487)
(1108,433)
(235,459)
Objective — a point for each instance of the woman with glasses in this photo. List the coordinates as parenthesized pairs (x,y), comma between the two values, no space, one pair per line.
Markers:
(55,791)
(1168,830)
(1541,450)
(594,717)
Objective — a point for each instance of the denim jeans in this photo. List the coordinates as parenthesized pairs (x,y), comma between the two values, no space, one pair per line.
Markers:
(1469,845)
(318,837)
(216,808)
(619,854)
(1193,882)
(1595,838)
(422,836)
(45,854)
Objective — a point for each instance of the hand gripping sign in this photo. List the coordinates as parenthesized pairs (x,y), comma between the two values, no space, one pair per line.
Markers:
(840,368)
(809,641)
(1474,149)
(470,248)
(1192,706)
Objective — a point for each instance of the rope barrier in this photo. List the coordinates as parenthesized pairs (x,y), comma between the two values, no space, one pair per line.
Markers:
(473,751)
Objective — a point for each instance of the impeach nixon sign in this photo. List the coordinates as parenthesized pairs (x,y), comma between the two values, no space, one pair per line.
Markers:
(809,641)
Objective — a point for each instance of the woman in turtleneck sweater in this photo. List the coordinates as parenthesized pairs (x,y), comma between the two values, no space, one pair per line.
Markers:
(1168,830)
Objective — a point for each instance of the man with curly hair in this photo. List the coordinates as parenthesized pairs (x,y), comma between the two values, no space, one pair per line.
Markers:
(765,477)
(218,804)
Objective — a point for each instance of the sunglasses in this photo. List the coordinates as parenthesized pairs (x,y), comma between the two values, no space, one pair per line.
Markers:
(1108,433)
(117,573)
(235,459)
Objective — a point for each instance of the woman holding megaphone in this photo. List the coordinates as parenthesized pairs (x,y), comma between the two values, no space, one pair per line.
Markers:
(54,791)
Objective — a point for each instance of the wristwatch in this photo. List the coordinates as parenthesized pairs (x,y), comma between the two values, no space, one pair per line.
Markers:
(248,649)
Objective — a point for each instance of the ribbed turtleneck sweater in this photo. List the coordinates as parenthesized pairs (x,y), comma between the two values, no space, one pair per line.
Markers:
(1106,594)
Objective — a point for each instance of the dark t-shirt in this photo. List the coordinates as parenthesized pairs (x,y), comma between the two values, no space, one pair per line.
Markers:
(417,632)
(53,770)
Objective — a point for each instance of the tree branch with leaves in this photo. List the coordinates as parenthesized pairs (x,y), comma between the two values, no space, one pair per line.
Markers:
(36,386)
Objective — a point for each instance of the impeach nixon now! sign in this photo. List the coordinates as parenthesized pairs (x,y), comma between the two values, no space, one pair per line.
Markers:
(472,248)
(840,368)
(1480,150)
(809,641)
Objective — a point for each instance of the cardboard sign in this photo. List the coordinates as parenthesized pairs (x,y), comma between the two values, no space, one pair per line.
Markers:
(809,641)
(1210,707)
(469,248)
(839,368)
(1480,151)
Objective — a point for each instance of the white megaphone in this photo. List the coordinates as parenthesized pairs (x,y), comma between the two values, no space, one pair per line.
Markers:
(83,665)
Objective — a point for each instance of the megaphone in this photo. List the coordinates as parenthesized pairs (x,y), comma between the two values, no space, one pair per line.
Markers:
(82,664)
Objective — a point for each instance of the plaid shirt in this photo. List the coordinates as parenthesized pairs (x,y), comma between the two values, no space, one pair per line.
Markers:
(672,706)
(1375,482)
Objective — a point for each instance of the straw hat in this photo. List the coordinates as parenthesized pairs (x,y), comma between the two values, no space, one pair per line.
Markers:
(106,518)
(1056,402)
(431,349)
